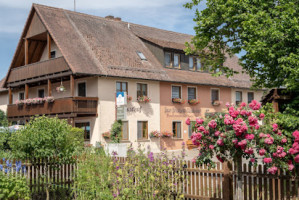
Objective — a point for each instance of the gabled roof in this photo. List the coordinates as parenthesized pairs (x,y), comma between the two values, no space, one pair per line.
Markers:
(99,46)
(2,89)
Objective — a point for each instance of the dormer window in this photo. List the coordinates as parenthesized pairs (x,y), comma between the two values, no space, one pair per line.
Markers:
(176,60)
(53,54)
(172,60)
(198,65)
(167,59)
(141,55)
(191,63)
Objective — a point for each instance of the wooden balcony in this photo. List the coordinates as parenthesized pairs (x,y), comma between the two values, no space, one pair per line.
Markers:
(69,107)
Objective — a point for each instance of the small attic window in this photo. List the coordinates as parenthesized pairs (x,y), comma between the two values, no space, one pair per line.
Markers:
(53,54)
(140,54)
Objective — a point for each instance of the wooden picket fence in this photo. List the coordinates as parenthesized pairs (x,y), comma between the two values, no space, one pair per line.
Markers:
(202,183)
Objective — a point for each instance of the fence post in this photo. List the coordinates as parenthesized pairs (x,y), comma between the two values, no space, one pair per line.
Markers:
(227,185)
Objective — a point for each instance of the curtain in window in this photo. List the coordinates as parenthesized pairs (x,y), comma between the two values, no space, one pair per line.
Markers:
(215,95)
(139,130)
(176,92)
(191,93)
(191,64)
(167,59)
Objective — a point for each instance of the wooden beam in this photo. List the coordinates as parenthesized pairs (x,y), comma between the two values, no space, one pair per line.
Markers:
(9,96)
(26,91)
(49,88)
(49,45)
(72,85)
(26,52)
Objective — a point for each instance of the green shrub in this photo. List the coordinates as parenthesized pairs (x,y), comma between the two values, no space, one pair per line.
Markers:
(116,131)
(76,138)
(3,119)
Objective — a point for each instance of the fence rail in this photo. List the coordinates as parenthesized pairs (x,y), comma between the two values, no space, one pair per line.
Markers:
(213,184)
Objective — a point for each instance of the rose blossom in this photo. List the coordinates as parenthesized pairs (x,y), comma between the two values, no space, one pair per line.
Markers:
(228,120)
(227,104)
(199,121)
(296,135)
(297,159)
(275,127)
(262,152)
(217,133)
(252,120)
(249,151)
(284,140)
(243,112)
(252,160)
(249,136)
(188,121)
(220,142)
(211,146)
(272,170)
(220,159)
(262,116)
(257,127)
(235,141)
(193,160)
(242,144)
(254,105)
(234,113)
(291,166)
(242,104)
(269,140)
(267,160)
(201,128)
(212,124)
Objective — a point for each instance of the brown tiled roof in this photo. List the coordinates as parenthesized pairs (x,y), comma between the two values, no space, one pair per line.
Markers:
(2,89)
(99,46)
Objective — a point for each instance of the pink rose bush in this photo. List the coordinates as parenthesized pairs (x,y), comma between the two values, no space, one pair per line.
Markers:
(239,134)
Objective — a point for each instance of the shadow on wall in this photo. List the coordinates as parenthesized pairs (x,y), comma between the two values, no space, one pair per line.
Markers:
(169,143)
(147,109)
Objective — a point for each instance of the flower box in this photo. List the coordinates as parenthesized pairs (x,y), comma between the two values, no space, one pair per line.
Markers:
(129,98)
(106,135)
(20,102)
(216,103)
(155,134)
(49,99)
(193,101)
(167,134)
(178,100)
(143,99)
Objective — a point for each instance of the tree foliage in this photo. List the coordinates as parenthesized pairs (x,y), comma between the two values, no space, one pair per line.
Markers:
(267,32)
(45,137)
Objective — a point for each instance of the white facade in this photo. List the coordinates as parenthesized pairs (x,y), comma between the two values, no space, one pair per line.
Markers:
(258,94)
(3,101)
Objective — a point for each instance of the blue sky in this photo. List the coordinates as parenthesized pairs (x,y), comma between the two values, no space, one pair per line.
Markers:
(165,14)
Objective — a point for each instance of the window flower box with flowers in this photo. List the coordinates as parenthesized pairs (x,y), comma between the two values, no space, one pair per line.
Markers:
(155,134)
(20,102)
(216,103)
(193,101)
(106,135)
(129,98)
(178,100)
(49,99)
(143,99)
(167,134)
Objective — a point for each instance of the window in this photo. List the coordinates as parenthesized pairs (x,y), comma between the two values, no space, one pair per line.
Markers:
(215,95)
(238,97)
(191,128)
(198,65)
(176,92)
(191,63)
(125,130)
(142,130)
(176,60)
(167,59)
(122,87)
(21,96)
(53,54)
(176,129)
(141,90)
(250,96)
(141,55)
(191,93)
(41,93)
(82,89)
(86,127)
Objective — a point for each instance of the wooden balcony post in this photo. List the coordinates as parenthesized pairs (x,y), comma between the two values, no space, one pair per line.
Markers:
(49,45)
(72,85)
(9,96)
(26,51)
(26,91)
(49,88)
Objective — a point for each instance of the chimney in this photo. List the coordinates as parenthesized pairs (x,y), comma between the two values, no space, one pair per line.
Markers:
(111,17)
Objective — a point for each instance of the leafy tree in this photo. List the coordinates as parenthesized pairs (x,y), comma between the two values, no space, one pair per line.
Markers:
(45,137)
(267,32)
(3,119)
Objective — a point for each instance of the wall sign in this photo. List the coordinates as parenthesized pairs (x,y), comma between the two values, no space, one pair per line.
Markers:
(121,98)
(134,109)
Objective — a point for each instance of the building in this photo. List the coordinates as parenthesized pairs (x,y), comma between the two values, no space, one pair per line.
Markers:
(80,61)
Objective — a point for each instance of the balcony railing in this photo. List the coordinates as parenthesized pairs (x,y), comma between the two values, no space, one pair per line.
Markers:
(71,105)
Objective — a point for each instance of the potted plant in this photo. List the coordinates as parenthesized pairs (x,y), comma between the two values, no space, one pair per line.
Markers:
(155,134)
(216,103)
(143,99)
(106,135)
(178,100)
(193,101)
(129,98)
(167,134)
(20,102)
(28,102)
(49,99)
(114,146)
(40,100)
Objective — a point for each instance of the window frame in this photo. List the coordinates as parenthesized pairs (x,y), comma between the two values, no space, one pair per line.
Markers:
(180,91)
(193,66)
(122,138)
(175,134)
(201,65)
(40,89)
(81,82)
(190,131)
(240,96)
(179,60)
(171,62)
(121,86)
(141,89)
(53,51)
(85,122)
(188,92)
(212,94)
(142,121)
(20,96)
(248,96)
